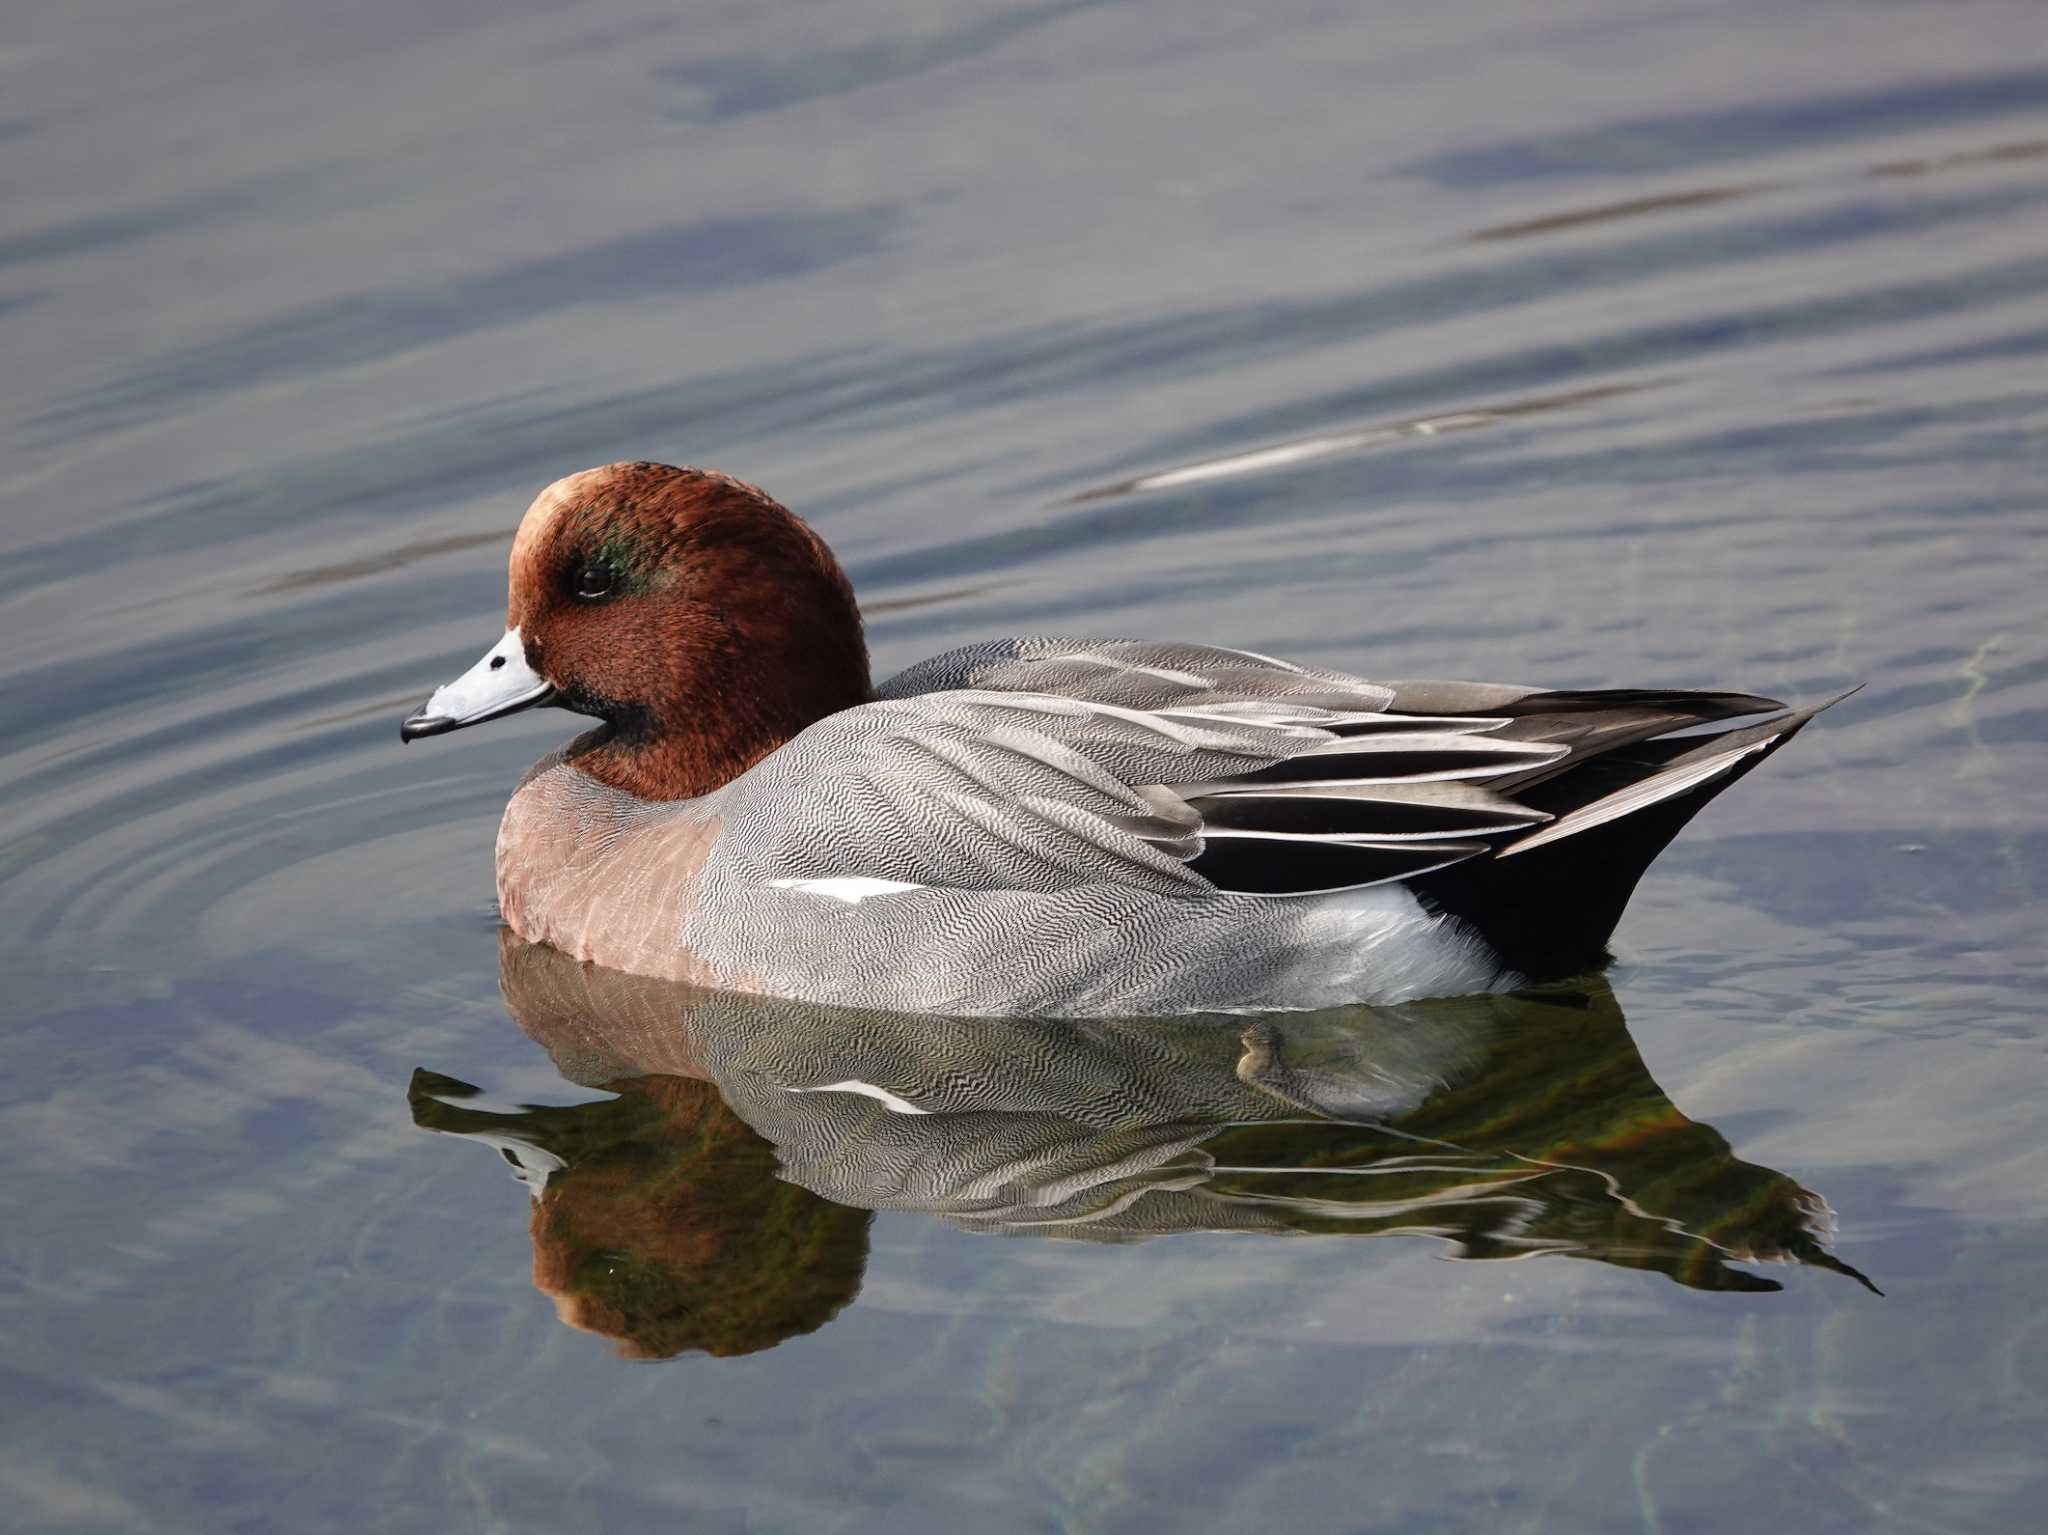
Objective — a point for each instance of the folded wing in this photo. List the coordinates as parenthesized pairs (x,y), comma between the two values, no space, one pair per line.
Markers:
(1180,764)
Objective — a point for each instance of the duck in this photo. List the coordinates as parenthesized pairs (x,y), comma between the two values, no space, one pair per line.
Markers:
(1036,826)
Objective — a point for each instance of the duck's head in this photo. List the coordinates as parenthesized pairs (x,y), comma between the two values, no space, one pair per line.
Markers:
(699,620)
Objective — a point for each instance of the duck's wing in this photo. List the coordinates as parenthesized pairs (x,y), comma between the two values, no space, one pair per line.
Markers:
(1260,797)
(1529,813)
(981,789)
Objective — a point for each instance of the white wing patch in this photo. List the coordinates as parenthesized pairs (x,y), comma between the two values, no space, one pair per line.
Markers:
(881,1095)
(850,888)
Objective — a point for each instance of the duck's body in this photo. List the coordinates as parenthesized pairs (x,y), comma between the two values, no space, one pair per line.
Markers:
(956,849)
(1046,826)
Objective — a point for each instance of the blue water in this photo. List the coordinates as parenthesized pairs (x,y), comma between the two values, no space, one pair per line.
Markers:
(1586,345)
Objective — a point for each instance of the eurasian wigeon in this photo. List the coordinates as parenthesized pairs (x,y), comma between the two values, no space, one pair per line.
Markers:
(1035,826)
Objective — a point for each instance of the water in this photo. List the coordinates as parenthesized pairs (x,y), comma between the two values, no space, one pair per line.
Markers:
(1695,345)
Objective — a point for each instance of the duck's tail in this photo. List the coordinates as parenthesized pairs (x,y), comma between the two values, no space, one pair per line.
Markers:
(1549,901)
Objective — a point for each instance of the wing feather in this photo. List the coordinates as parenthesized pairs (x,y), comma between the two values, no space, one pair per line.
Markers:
(1381,813)
(1042,762)
(1280,866)
(1404,757)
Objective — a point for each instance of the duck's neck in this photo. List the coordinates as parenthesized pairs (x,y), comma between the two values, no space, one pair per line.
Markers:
(662,768)
(706,746)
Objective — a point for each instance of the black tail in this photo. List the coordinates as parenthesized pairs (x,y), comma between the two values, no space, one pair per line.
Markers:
(1550,901)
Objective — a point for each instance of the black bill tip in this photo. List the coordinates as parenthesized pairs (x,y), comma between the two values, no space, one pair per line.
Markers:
(424,722)
(420,723)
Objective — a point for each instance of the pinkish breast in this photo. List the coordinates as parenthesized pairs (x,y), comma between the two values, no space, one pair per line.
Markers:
(601,876)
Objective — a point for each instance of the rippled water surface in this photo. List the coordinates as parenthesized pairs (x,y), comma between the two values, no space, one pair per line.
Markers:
(1586,344)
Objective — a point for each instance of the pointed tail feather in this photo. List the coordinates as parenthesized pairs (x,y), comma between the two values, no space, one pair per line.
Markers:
(1550,900)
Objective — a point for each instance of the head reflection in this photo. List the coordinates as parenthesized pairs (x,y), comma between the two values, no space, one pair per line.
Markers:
(658,1221)
(720,1200)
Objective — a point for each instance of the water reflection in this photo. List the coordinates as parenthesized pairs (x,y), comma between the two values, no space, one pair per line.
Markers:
(720,1201)
(658,1219)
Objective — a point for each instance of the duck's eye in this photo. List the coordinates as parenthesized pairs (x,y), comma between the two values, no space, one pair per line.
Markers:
(595,580)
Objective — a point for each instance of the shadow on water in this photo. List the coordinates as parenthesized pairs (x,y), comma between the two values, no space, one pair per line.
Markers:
(721,1199)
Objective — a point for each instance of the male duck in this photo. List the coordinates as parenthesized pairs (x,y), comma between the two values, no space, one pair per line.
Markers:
(1034,826)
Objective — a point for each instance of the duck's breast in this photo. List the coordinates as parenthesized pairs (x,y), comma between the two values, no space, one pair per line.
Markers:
(600,875)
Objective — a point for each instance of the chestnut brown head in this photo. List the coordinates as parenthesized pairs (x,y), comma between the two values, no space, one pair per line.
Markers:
(698,619)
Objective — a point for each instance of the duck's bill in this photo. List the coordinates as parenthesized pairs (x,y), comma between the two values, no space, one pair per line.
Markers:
(500,684)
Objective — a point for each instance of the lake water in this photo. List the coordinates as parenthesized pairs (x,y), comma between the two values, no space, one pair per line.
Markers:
(1587,344)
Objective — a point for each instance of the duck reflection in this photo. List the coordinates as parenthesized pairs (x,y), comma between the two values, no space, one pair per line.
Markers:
(721,1199)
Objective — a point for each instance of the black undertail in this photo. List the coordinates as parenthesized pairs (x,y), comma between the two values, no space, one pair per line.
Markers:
(1551,911)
